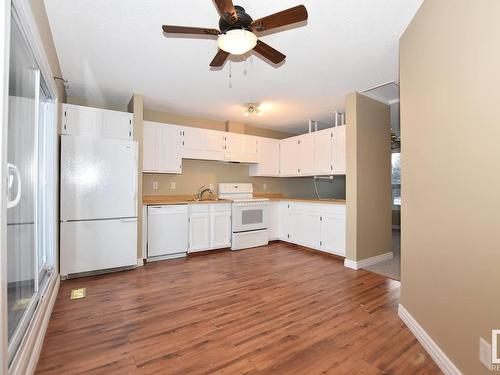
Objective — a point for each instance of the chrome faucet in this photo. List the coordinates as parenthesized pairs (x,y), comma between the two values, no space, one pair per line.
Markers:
(202,191)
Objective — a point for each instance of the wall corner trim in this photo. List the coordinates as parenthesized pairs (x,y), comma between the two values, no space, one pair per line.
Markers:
(444,363)
(140,262)
(356,265)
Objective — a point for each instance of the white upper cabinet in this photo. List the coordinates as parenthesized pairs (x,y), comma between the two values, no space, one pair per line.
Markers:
(203,144)
(297,156)
(339,150)
(161,148)
(318,153)
(268,160)
(150,147)
(306,150)
(290,157)
(95,122)
(240,148)
(323,141)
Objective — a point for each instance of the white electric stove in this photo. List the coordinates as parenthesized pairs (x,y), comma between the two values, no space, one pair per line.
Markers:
(249,215)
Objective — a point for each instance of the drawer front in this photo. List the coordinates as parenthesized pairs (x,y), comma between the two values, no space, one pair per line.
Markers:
(199,208)
(220,207)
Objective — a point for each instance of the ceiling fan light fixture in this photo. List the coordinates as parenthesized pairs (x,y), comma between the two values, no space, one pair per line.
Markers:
(237,41)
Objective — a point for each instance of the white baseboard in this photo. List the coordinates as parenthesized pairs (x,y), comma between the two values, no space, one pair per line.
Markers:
(356,265)
(444,363)
(27,356)
(140,262)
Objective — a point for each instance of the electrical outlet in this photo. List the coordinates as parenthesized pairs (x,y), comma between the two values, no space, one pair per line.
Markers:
(172,185)
(485,353)
(155,185)
(264,186)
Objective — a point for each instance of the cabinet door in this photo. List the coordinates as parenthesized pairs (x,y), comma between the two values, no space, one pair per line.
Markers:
(323,152)
(78,120)
(233,147)
(339,150)
(170,152)
(199,231)
(284,219)
(249,146)
(215,144)
(274,220)
(221,229)
(150,148)
(333,228)
(202,144)
(116,125)
(307,154)
(290,157)
(268,158)
(295,225)
(194,142)
(311,229)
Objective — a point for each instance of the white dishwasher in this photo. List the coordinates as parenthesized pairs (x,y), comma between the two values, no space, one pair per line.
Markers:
(167,231)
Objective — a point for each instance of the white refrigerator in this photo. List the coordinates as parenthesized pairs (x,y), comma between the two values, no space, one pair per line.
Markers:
(98,204)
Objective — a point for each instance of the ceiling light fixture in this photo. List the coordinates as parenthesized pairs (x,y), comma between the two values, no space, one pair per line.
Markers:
(252,109)
(237,41)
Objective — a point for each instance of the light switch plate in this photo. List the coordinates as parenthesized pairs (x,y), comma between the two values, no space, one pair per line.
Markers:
(485,353)
(264,186)
(172,185)
(211,187)
(155,185)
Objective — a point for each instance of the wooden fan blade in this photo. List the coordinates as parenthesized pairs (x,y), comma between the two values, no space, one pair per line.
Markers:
(189,30)
(269,52)
(227,10)
(219,59)
(283,18)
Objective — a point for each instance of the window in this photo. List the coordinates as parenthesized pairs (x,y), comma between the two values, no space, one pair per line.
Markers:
(396,179)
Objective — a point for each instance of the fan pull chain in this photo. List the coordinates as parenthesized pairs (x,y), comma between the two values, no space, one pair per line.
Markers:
(245,71)
(230,75)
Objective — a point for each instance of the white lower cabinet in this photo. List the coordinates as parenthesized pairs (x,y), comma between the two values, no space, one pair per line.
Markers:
(199,228)
(167,229)
(274,221)
(319,226)
(209,226)
(333,234)
(220,226)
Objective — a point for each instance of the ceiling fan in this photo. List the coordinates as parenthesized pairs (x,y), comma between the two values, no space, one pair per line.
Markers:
(236,34)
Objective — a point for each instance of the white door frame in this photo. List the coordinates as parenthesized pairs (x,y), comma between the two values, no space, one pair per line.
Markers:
(4,100)
(30,28)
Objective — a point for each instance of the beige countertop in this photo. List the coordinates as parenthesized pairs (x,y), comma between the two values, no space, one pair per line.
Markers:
(149,200)
(281,197)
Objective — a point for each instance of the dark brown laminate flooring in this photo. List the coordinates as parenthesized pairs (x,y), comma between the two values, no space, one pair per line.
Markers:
(278,309)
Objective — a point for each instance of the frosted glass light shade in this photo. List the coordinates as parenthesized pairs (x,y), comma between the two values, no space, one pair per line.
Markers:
(237,42)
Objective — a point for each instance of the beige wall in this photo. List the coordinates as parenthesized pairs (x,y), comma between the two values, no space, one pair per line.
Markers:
(451,175)
(368,185)
(97,104)
(196,173)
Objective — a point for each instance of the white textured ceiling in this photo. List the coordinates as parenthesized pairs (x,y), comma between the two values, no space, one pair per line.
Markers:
(113,48)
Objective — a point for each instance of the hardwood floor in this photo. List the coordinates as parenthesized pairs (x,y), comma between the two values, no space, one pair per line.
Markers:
(272,310)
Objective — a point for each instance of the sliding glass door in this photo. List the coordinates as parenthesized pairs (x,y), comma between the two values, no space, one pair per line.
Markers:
(30,187)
